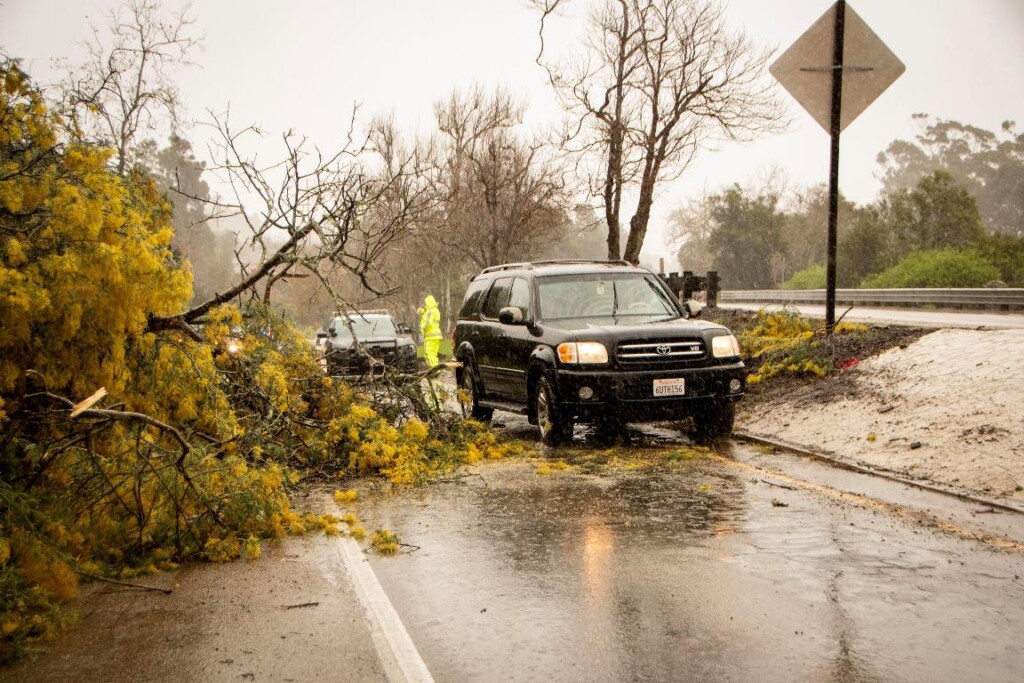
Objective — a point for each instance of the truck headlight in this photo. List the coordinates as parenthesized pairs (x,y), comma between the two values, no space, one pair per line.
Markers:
(724,346)
(582,352)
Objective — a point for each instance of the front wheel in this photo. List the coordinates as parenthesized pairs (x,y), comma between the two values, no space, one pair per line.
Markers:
(554,427)
(715,420)
(469,396)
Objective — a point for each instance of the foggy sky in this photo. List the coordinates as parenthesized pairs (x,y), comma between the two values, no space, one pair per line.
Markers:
(301,65)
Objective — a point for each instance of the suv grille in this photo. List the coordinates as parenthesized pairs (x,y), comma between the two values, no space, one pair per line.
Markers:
(666,351)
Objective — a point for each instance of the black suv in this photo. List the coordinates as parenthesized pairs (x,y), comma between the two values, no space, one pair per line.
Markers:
(364,344)
(592,341)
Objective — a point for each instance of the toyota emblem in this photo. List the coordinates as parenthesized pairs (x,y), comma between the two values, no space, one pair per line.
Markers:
(663,349)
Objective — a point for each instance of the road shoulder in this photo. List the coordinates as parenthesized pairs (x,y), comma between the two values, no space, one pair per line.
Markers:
(290,615)
(944,409)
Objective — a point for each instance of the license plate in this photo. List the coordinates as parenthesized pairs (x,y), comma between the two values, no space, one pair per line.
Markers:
(669,387)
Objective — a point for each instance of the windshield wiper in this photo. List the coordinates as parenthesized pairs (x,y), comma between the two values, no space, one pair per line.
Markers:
(615,300)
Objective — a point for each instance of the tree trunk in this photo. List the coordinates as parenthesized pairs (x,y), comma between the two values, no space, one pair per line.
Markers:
(638,223)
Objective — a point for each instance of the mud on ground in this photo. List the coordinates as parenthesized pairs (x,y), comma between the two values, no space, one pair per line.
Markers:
(942,406)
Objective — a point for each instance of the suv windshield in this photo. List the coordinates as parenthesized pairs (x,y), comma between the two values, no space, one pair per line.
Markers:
(365,328)
(602,296)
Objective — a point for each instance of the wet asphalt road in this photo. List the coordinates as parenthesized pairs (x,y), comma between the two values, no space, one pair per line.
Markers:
(642,562)
(647,563)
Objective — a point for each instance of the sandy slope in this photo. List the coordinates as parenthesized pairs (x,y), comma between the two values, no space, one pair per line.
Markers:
(948,408)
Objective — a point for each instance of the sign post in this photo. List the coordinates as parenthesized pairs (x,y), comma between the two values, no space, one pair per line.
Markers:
(833,169)
(859,67)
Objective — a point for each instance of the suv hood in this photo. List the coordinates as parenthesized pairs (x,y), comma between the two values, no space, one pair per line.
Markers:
(600,328)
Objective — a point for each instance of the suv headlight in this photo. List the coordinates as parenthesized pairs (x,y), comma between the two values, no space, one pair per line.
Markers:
(724,346)
(582,352)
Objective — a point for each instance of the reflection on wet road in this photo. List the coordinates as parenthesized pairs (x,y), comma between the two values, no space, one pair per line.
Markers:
(657,563)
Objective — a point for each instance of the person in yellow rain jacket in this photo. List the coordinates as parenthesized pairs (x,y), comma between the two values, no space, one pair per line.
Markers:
(430,329)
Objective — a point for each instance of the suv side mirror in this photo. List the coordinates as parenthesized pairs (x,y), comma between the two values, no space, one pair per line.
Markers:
(510,315)
(694,307)
(322,334)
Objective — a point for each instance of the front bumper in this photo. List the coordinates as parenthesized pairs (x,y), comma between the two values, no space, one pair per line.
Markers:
(629,395)
(354,364)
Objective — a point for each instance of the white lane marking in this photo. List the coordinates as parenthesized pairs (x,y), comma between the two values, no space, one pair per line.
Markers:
(398,654)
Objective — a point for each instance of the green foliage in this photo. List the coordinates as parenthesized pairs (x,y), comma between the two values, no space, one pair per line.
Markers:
(936,214)
(1006,253)
(805,230)
(812,277)
(990,166)
(866,249)
(748,232)
(936,268)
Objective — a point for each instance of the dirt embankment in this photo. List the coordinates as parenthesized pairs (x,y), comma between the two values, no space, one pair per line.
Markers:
(947,408)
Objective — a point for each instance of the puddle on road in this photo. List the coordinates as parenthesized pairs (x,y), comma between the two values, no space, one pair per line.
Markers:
(610,570)
(559,571)
(654,489)
(654,560)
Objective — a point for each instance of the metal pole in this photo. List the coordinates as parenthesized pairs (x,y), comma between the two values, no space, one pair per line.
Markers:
(833,175)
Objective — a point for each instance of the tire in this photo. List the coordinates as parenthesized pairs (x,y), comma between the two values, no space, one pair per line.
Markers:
(715,420)
(554,427)
(470,396)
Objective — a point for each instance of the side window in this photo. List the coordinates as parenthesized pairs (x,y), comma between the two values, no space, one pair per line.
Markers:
(497,297)
(520,296)
(472,299)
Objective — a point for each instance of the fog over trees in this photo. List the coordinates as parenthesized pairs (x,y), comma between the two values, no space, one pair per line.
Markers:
(390,215)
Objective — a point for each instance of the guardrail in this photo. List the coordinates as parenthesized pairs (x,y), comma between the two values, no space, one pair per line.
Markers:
(1002,299)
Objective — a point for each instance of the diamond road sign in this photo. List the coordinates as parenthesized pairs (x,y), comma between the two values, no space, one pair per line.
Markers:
(805,69)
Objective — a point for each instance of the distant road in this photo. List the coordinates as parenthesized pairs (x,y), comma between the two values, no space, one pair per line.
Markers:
(915,318)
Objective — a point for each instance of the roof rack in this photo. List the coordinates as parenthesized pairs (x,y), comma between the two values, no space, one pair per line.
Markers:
(529,265)
(509,266)
(569,261)
(368,311)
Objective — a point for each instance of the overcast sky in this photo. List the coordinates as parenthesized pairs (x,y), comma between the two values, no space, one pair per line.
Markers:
(301,64)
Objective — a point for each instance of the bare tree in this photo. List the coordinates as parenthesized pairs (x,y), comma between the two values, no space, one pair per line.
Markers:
(312,214)
(659,81)
(502,193)
(125,91)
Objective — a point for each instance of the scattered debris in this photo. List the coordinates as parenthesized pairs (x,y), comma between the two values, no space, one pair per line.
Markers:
(778,486)
(126,584)
(779,504)
(302,604)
